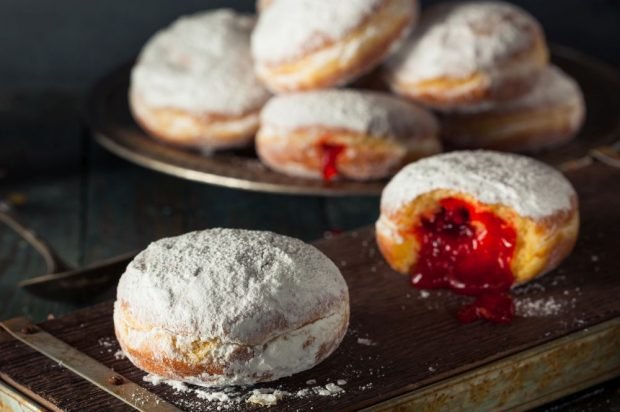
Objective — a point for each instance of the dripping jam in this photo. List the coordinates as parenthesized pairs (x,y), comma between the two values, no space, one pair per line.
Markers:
(329,157)
(468,251)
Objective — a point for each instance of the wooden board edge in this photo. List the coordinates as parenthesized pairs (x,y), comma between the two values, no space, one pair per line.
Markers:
(86,367)
(14,397)
(526,379)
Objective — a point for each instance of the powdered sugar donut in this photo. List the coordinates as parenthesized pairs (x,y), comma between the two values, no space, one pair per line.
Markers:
(478,222)
(194,85)
(315,44)
(547,116)
(468,53)
(353,134)
(230,307)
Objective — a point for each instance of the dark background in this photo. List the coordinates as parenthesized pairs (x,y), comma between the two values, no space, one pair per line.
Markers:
(66,45)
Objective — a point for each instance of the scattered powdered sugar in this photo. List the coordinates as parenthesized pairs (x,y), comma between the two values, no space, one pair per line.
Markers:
(538,307)
(366,342)
(532,188)
(254,292)
(460,38)
(106,342)
(333,388)
(119,354)
(374,114)
(266,399)
(202,62)
(290,28)
(230,397)
(212,396)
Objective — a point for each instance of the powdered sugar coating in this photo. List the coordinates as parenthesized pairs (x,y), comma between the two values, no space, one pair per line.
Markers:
(370,113)
(459,39)
(235,286)
(530,187)
(552,88)
(291,28)
(201,63)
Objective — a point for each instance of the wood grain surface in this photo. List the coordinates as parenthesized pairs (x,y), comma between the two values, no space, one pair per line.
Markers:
(416,339)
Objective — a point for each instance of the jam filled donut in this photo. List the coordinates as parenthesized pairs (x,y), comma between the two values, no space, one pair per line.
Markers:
(230,307)
(547,116)
(353,134)
(193,84)
(315,44)
(470,52)
(479,223)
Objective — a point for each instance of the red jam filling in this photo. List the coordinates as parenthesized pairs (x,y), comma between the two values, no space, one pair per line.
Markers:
(330,153)
(469,251)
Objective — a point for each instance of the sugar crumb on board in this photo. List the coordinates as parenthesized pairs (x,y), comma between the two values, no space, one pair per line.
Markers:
(366,342)
(231,397)
(539,307)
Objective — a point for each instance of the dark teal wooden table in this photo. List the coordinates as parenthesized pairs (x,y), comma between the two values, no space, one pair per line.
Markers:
(91,205)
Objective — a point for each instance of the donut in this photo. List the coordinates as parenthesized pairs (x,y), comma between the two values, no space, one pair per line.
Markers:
(479,223)
(469,53)
(301,45)
(193,84)
(347,133)
(230,307)
(549,115)
(262,4)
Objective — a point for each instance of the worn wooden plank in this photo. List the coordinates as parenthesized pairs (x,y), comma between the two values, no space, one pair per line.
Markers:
(417,339)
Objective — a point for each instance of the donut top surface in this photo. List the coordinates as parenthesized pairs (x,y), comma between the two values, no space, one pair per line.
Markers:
(371,113)
(532,188)
(232,285)
(201,62)
(288,29)
(459,39)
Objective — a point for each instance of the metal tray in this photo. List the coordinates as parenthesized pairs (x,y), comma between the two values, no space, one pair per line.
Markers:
(114,128)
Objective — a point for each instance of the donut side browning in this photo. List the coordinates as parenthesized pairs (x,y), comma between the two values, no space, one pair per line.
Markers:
(339,62)
(184,128)
(297,152)
(541,243)
(216,362)
(527,131)
(549,115)
(508,80)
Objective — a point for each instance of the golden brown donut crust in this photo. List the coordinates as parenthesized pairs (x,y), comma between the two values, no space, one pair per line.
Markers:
(183,128)
(165,354)
(477,88)
(388,25)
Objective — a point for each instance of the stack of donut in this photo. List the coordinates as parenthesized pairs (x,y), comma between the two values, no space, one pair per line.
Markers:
(215,80)
(485,67)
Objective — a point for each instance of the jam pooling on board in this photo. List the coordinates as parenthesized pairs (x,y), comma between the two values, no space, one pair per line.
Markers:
(469,251)
(330,153)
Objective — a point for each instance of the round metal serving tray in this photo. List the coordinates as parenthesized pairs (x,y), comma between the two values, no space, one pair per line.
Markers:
(114,129)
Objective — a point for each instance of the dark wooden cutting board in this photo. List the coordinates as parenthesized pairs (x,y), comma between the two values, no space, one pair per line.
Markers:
(421,356)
